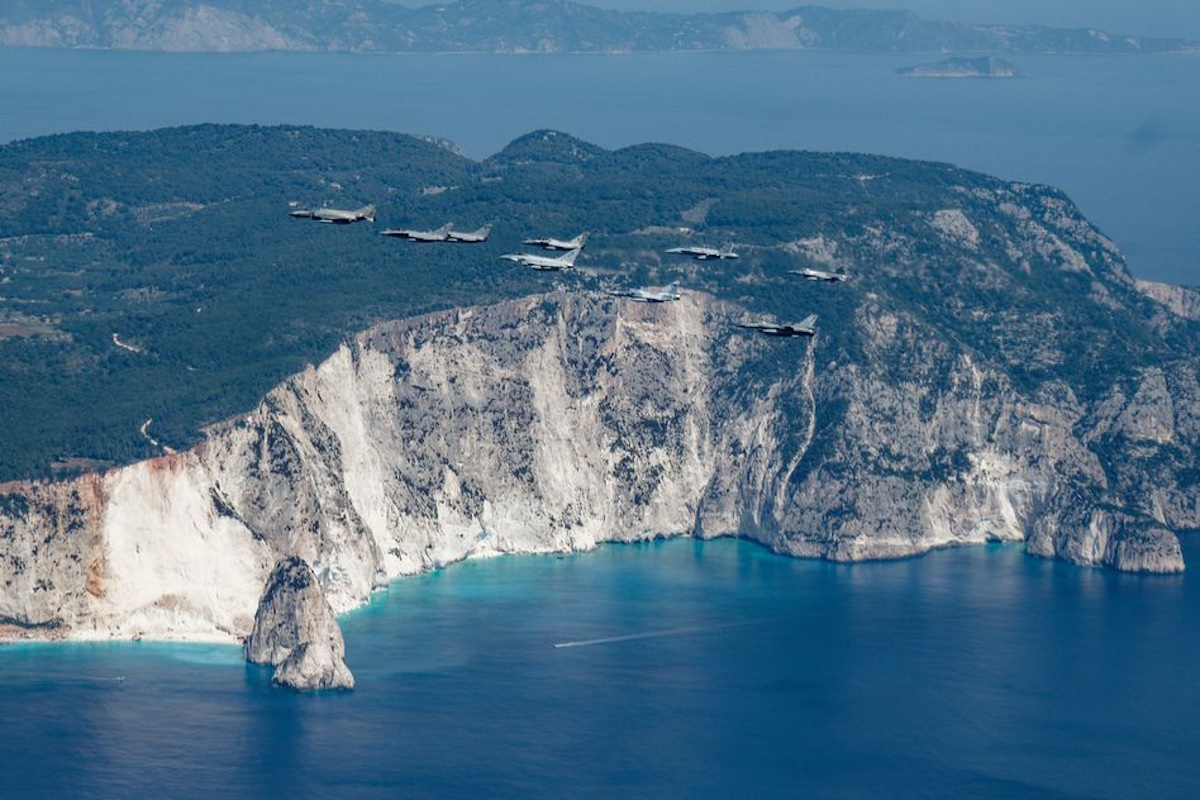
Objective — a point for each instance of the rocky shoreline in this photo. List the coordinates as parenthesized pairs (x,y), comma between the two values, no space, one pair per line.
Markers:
(550,424)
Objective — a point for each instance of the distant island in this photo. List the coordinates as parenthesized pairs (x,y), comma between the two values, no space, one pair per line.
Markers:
(982,67)
(521,26)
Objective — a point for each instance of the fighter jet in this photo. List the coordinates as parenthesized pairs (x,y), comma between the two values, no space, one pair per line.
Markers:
(819,275)
(480,235)
(442,234)
(334,215)
(648,295)
(806,327)
(705,253)
(546,263)
(560,244)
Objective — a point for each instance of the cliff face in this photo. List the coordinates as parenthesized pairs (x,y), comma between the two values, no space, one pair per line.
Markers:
(559,421)
(53,555)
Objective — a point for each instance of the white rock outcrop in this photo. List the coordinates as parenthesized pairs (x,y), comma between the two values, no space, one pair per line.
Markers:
(296,631)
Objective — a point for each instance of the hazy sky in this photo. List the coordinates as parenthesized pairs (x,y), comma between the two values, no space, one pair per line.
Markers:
(1145,17)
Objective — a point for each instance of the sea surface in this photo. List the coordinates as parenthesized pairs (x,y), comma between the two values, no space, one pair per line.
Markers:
(667,669)
(1120,134)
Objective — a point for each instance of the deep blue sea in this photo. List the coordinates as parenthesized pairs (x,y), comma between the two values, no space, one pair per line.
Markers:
(692,670)
(1120,134)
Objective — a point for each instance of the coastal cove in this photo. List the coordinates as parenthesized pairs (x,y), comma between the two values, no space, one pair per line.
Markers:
(1120,134)
(697,667)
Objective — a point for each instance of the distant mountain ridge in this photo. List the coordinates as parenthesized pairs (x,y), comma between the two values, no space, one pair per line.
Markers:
(517,26)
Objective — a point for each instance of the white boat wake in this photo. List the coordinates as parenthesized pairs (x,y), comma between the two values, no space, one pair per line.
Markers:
(628,637)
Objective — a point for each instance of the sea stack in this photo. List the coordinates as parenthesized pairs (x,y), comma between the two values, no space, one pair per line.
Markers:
(296,631)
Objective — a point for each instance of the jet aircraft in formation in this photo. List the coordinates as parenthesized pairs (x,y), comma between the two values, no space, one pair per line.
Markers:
(573,248)
(560,244)
(705,253)
(442,234)
(650,295)
(546,263)
(806,327)
(480,235)
(336,215)
(819,275)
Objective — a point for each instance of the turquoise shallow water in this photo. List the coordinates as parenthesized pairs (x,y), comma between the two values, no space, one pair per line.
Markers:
(697,669)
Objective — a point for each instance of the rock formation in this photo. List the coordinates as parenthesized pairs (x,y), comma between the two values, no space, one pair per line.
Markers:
(296,632)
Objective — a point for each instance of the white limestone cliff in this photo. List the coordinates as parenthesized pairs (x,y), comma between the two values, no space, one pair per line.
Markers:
(560,421)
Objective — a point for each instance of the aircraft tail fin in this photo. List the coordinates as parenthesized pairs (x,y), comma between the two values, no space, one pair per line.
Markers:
(809,322)
(449,226)
(367,212)
(569,258)
(581,240)
(674,287)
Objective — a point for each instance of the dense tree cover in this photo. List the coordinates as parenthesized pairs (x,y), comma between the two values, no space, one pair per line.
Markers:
(179,242)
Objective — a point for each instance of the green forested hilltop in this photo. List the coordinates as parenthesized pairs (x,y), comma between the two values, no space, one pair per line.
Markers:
(178,241)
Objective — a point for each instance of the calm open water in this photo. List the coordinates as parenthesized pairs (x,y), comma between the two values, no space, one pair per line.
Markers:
(697,669)
(1120,134)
